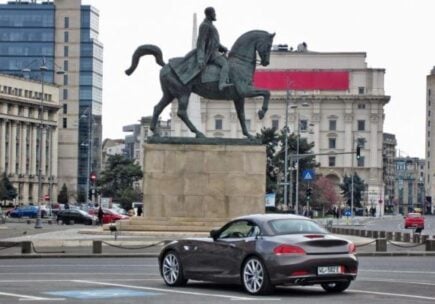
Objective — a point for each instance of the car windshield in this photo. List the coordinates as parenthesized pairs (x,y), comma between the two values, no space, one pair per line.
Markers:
(414,215)
(295,226)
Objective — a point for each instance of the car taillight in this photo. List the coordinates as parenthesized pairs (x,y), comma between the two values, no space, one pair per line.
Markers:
(288,249)
(351,248)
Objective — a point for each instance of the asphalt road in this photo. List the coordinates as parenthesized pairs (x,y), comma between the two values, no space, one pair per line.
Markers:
(396,224)
(134,280)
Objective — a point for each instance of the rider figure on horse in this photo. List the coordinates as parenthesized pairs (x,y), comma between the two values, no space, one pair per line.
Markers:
(209,50)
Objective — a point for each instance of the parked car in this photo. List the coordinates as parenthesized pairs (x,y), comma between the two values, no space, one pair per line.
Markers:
(414,220)
(26,211)
(109,215)
(261,251)
(75,216)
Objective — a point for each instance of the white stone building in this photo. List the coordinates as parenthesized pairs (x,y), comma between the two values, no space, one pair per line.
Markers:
(20,104)
(430,140)
(345,101)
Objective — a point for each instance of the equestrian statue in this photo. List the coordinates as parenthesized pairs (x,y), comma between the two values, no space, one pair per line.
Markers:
(208,72)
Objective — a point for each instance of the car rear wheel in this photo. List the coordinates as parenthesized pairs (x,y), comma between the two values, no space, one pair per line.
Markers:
(255,278)
(335,287)
(172,270)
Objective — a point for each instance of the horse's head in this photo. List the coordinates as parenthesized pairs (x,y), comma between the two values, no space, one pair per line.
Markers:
(264,47)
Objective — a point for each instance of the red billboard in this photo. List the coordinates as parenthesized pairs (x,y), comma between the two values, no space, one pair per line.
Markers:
(302,80)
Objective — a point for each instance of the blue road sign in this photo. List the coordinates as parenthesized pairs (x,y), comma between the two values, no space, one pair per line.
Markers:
(103,293)
(308,175)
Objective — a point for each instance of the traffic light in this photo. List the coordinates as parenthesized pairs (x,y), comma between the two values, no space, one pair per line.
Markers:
(93,177)
(308,193)
(358,152)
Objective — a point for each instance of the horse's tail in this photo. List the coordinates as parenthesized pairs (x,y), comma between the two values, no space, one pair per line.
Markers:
(146,49)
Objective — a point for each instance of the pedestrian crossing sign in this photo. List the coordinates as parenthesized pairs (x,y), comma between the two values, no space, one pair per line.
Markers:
(308,175)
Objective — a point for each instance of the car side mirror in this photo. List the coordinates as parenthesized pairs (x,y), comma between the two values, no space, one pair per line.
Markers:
(214,234)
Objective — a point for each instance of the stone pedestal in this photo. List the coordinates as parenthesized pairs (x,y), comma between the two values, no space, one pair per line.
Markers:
(200,186)
(203,181)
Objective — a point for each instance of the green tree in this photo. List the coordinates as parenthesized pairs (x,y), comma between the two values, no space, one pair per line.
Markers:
(7,190)
(117,180)
(270,138)
(275,150)
(62,198)
(358,188)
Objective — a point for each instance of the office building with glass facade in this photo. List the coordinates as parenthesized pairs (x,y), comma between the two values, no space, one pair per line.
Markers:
(61,35)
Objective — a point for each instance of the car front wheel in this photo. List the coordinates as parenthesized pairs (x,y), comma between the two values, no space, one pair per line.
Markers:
(335,287)
(255,278)
(172,270)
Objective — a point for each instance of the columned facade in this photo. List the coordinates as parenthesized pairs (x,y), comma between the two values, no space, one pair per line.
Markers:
(20,120)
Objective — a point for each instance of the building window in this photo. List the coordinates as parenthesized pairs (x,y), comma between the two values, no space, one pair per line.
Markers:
(360,161)
(64,123)
(65,79)
(275,124)
(361,125)
(65,65)
(65,108)
(65,36)
(65,94)
(303,124)
(331,161)
(332,125)
(361,90)
(66,22)
(331,143)
(218,124)
(361,106)
(65,51)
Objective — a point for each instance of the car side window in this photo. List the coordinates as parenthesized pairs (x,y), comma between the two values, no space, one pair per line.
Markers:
(239,229)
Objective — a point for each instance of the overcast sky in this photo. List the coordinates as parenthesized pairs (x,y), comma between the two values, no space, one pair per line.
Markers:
(397,35)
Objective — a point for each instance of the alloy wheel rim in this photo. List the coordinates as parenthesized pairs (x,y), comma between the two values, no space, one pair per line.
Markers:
(253,275)
(170,268)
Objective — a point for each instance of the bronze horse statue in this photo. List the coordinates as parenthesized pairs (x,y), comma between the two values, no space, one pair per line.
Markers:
(242,60)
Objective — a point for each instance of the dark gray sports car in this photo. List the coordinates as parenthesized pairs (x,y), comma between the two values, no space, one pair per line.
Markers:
(261,251)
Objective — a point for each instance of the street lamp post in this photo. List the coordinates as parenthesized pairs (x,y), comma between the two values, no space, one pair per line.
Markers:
(298,134)
(88,144)
(286,183)
(43,68)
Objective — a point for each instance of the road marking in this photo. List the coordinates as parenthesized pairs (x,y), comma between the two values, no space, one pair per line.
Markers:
(26,297)
(80,273)
(233,298)
(395,281)
(105,293)
(396,271)
(46,281)
(79,265)
(392,294)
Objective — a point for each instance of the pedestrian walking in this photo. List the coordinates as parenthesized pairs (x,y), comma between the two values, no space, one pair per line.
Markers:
(100,216)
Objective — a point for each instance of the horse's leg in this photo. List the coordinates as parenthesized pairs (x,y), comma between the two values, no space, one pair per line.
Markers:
(164,101)
(266,97)
(183,102)
(239,104)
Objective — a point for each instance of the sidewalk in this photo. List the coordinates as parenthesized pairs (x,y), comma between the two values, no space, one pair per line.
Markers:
(78,242)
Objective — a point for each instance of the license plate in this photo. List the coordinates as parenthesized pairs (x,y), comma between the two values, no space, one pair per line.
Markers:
(328,270)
